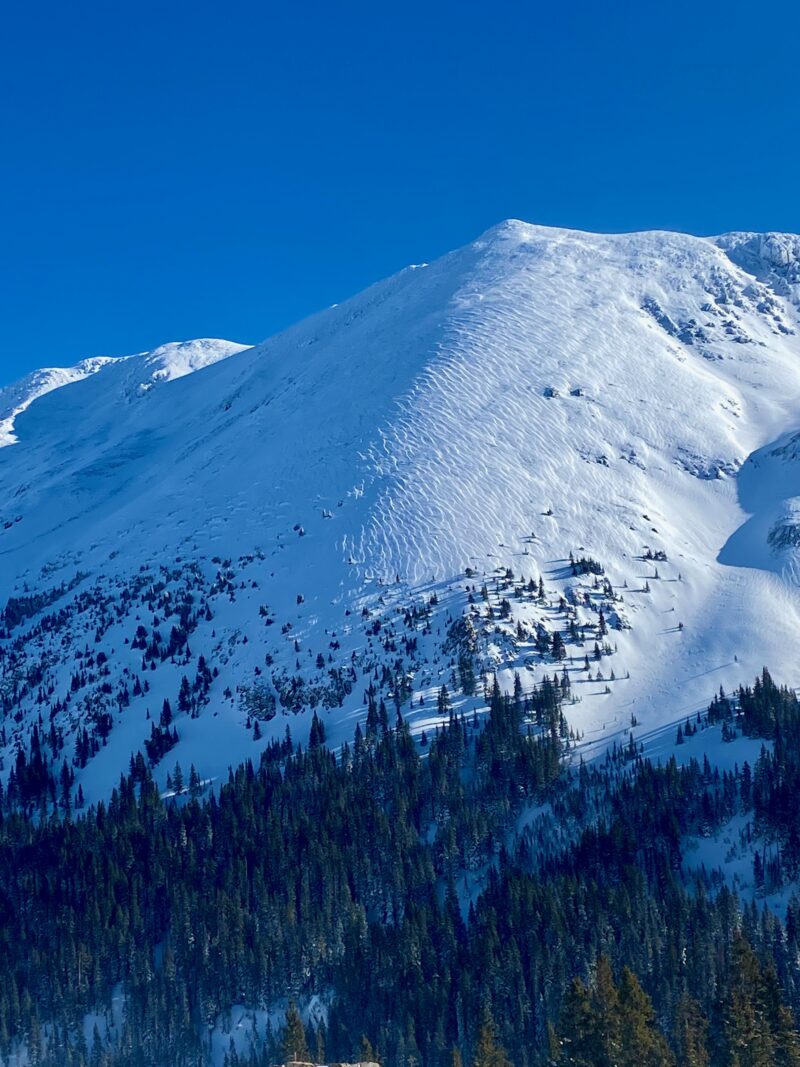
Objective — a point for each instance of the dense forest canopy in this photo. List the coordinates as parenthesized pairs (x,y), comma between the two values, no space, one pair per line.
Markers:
(355,877)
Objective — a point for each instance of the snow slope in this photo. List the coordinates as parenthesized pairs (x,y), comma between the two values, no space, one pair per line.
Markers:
(536,392)
(15,398)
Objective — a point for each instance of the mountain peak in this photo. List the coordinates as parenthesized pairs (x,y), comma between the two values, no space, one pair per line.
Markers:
(537,393)
(178,358)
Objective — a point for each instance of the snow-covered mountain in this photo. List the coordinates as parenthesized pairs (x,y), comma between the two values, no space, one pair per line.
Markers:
(286,524)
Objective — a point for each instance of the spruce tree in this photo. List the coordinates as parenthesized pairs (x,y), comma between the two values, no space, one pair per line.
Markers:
(691,1034)
(295,1045)
(642,1045)
(488,1051)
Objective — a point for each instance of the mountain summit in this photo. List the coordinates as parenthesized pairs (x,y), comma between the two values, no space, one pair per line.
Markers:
(239,533)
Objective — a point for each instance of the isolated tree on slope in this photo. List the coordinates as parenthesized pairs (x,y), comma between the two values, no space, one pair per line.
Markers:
(443,701)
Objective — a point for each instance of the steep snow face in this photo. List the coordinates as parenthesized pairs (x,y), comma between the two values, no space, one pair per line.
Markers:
(572,371)
(537,392)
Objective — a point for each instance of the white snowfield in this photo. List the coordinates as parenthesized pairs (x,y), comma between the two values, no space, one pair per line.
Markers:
(536,392)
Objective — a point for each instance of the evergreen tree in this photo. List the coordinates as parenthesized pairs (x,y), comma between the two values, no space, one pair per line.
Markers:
(747,1036)
(294,1044)
(691,1034)
(367,1052)
(642,1044)
(488,1050)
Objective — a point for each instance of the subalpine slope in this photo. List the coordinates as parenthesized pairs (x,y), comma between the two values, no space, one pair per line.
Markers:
(271,523)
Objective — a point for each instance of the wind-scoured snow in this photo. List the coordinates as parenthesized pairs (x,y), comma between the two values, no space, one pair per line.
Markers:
(536,392)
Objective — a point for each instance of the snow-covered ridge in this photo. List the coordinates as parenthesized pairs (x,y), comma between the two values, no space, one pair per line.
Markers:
(18,396)
(633,398)
(163,364)
(180,358)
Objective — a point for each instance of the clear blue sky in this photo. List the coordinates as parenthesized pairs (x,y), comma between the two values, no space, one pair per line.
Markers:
(177,170)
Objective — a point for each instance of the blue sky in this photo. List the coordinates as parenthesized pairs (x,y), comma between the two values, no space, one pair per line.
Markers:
(177,170)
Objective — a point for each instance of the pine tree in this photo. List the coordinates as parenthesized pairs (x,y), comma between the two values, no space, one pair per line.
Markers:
(784,1032)
(295,1045)
(642,1045)
(608,1028)
(177,778)
(691,1034)
(488,1051)
(576,1040)
(367,1052)
(746,1030)
(319,1044)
